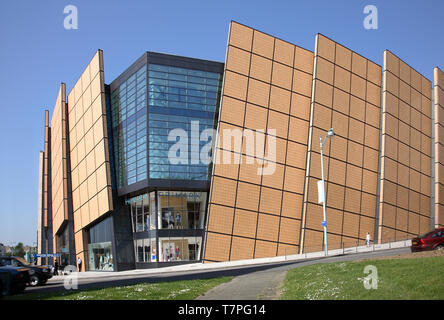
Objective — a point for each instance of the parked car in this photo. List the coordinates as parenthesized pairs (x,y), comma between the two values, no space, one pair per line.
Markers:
(433,240)
(13,279)
(39,276)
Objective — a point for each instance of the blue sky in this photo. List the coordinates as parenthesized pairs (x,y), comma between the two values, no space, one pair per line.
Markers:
(37,53)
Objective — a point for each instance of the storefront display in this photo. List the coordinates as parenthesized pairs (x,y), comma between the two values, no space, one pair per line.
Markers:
(100,253)
(181,210)
(142,212)
(179,249)
(100,256)
(169,217)
(146,250)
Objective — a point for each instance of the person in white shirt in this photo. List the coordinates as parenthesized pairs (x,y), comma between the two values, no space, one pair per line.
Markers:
(79,264)
(367,239)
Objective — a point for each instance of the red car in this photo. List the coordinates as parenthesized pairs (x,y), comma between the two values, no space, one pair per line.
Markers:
(433,240)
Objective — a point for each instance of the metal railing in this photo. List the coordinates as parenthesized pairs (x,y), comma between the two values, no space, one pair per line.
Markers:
(348,247)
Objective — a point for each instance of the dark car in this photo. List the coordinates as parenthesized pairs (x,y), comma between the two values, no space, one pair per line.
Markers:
(13,280)
(39,275)
(433,240)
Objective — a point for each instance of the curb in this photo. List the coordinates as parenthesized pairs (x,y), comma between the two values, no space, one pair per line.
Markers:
(240,263)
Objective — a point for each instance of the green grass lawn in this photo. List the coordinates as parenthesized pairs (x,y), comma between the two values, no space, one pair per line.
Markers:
(406,279)
(174,290)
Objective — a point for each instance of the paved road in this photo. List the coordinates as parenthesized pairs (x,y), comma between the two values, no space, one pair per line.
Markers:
(258,285)
(250,282)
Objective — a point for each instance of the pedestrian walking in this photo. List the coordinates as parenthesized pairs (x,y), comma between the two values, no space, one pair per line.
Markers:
(56,267)
(79,264)
(367,239)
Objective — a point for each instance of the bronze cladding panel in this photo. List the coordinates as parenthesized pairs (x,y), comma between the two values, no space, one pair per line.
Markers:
(346,97)
(266,93)
(406,151)
(91,180)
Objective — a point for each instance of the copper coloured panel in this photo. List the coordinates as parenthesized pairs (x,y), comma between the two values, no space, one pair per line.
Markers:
(405,147)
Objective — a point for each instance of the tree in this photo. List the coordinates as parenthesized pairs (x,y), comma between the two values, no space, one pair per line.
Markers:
(19,251)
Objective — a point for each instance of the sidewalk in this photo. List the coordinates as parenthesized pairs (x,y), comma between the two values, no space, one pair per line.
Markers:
(198,267)
(260,285)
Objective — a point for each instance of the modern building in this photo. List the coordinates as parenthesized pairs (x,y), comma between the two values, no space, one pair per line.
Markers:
(182,160)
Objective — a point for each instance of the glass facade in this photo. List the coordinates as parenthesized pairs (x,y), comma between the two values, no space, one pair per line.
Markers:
(174,220)
(100,253)
(128,112)
(63,247)
(154,108)
(180,98)
(175,98)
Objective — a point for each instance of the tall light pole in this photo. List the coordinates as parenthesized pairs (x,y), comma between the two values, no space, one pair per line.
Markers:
(330,133)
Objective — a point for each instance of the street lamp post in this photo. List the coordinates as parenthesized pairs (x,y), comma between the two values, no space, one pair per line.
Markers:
(330,133)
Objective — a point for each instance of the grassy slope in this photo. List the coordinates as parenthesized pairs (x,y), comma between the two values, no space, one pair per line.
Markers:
(174,290)
(405,279)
